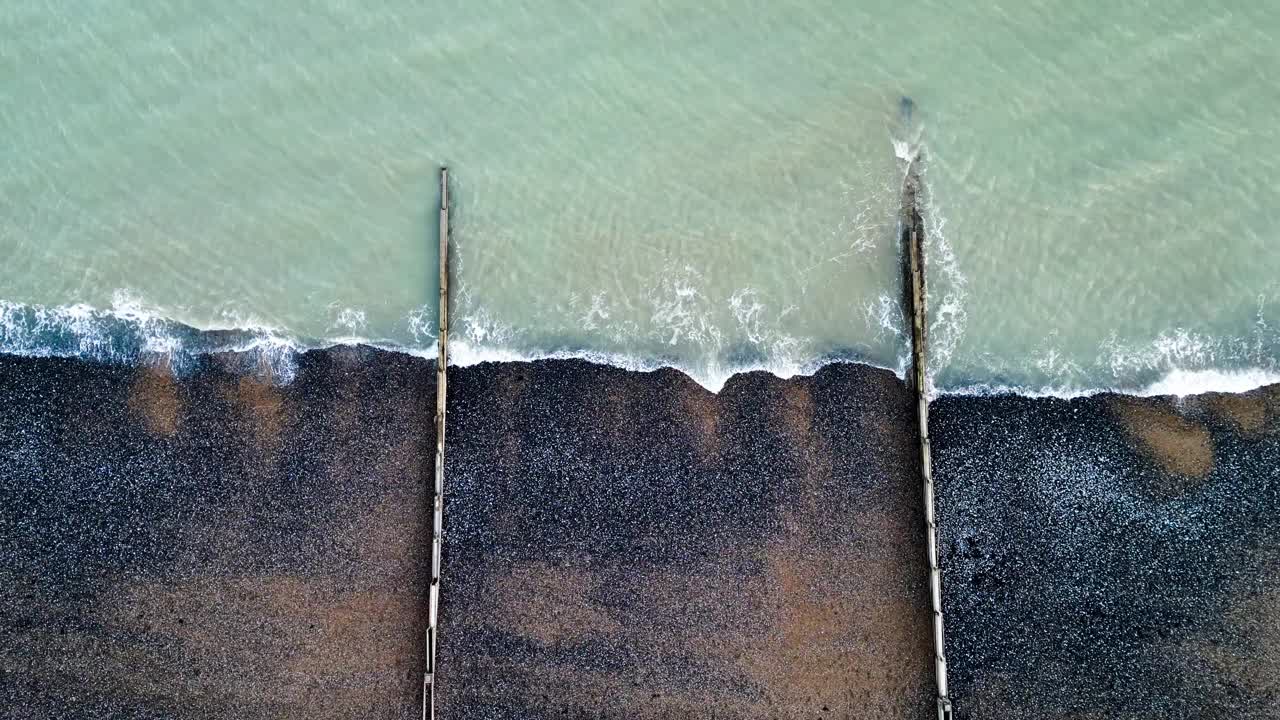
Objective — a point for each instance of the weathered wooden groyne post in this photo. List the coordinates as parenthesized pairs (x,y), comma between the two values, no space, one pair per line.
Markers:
(913,235)
(437,522)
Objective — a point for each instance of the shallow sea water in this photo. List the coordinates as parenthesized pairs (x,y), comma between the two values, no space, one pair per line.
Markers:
(708,186)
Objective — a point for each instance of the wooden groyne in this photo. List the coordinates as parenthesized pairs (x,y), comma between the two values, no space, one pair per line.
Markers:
(437,524)
(913,234)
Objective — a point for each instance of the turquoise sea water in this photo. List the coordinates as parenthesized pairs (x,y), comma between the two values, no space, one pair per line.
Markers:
(707,185)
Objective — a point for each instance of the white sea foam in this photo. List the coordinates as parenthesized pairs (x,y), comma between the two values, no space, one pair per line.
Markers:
(347,320)
(421,323)
(681,317)
(907,149)
(947,312)
(157,332)
(948,316)
(680,311)
(1179,383)
(276,357)
(1181,363)
(131,331)
(1196,382)
(596,314)
(713,378)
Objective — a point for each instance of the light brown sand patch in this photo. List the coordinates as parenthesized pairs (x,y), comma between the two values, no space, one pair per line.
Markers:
(1248,412)
(273,646)
(841,628)
(555,608)
(154,397)
(822,630)
(1177,444)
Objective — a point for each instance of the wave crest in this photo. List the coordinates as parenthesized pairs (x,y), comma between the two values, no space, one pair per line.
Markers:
(130,332)
(1175,363)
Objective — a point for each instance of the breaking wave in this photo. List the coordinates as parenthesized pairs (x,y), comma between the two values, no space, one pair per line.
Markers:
(679,325)
(1176,363)
(129,332)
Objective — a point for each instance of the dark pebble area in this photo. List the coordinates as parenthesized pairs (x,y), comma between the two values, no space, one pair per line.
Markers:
(214,546)
(1111,557)
(621,545)
(625,545)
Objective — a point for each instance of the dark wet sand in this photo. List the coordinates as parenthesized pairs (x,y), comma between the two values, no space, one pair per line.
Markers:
(1111,557)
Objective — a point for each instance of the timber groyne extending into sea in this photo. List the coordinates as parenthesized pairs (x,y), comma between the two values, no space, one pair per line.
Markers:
(437,501)
(913,261)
